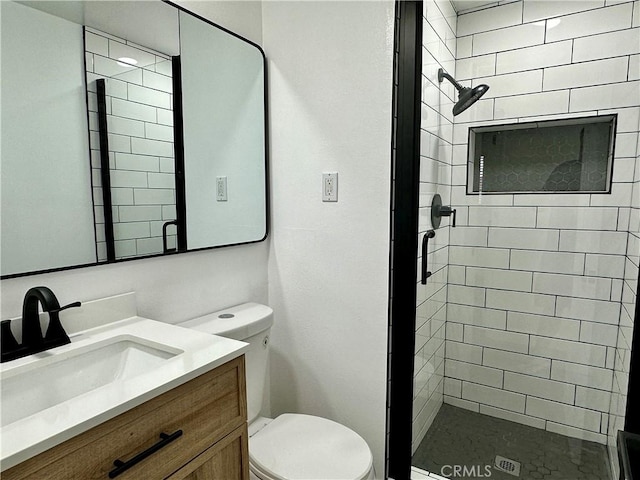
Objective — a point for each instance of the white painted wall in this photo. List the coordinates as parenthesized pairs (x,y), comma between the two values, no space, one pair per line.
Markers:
(174,288)
(330,70)
(45,152)
(170,289)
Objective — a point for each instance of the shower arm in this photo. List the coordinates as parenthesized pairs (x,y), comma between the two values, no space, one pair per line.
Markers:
(442,74)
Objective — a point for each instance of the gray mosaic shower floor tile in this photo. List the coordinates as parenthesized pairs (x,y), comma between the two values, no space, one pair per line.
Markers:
(462,437)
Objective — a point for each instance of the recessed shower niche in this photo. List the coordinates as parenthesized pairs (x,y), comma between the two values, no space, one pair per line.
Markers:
(553,156)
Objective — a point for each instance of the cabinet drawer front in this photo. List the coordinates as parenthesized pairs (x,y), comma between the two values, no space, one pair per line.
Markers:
(206,409)
(226,460)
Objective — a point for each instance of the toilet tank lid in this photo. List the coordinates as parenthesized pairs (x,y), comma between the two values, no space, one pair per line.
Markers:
(239,322)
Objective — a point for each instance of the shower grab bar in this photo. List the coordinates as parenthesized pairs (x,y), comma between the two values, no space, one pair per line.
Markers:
(425,244)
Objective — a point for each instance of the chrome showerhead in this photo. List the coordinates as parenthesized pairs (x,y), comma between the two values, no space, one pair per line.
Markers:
(466,96)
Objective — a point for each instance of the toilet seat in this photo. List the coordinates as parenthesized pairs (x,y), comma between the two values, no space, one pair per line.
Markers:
(297,447)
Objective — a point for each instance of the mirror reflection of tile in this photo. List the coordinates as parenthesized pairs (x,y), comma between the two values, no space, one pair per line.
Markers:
(140,124)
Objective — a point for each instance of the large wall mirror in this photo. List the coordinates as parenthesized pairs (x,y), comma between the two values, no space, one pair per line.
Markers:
(129,129)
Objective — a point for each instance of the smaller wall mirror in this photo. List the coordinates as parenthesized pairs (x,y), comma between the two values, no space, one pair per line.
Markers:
(555,156)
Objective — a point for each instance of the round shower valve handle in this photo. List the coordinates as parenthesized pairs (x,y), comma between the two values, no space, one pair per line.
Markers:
(446,211)
(438,211)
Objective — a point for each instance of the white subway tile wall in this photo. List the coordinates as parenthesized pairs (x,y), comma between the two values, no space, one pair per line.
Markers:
(541,288)
(629,287)
(439,34)
(139,119)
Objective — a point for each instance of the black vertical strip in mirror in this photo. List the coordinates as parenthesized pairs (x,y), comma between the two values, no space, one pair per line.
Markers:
(104,169)
(178,135)
(632,418)
(267,195)
(405,236)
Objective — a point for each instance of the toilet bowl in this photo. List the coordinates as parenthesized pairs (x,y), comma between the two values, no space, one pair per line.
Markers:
(291,446)
(296,446)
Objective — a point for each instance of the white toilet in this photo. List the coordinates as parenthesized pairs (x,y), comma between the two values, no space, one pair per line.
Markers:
(292,446)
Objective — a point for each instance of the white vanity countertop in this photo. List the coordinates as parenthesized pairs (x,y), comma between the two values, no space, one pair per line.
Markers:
(195,353)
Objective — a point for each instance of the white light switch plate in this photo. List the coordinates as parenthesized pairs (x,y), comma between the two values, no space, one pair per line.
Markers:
(330,187)
(221,189)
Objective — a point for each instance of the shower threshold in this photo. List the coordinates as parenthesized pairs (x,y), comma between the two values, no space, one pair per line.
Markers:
(466,444)
(419,474)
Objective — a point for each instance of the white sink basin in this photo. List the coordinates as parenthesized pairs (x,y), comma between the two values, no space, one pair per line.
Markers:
(58,377)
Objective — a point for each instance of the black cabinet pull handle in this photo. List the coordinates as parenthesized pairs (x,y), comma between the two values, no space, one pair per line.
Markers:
(122,467)
(425,244)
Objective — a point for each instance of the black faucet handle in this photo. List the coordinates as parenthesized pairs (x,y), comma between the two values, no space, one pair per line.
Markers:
(56,336)
(71,305)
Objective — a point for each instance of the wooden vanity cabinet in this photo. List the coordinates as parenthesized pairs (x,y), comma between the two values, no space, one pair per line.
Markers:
(211,413)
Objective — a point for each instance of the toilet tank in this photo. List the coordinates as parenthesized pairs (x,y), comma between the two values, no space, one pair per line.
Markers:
(251,323)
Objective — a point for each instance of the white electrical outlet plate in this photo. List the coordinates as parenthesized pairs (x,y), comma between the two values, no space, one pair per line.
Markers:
(330,187)
(221,189)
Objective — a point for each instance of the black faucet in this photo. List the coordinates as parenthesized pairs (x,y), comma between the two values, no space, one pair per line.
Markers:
(32,339)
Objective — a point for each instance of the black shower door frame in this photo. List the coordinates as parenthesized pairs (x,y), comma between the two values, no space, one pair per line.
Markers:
(404,228)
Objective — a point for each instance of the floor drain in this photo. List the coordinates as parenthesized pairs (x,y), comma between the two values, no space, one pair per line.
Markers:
(508,466)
